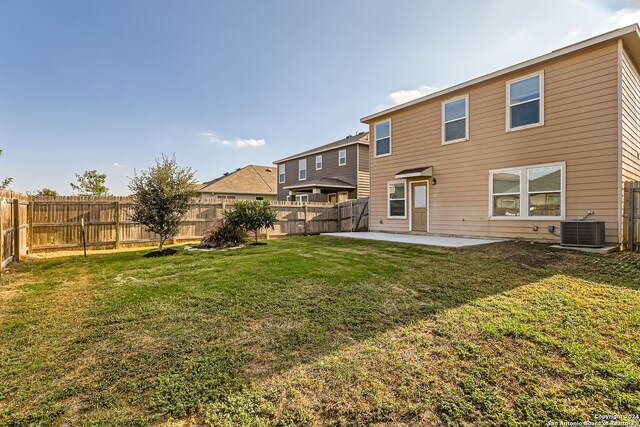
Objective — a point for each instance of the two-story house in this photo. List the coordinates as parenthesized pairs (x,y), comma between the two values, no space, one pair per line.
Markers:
(512,153)
(333,172)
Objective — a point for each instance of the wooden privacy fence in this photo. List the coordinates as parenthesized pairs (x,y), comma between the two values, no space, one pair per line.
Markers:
(54,223)
(631,215)
(14,227)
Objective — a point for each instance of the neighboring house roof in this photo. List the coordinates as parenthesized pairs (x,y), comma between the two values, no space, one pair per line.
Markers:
(630,35)
(322,182)
(252,179)
(359,138)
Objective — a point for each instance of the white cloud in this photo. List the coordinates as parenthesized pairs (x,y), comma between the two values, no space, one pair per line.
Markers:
(243,143)
(402,96)
(626,16)
(118,165)
(237,143)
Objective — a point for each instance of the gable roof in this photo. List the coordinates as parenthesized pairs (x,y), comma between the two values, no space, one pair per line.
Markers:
(630,35)
(359,138)
(252,179)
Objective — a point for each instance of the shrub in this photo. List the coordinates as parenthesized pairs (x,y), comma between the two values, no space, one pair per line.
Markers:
(252,215)
(223,234)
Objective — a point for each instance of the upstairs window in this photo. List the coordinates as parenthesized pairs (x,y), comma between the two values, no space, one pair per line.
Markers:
(319,162)
(525,102)
(281,174)
(383,139)
(302,169)
(455,127)
(342,157)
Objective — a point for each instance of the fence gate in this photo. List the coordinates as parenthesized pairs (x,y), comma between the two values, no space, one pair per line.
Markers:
(632,215)
(353,215)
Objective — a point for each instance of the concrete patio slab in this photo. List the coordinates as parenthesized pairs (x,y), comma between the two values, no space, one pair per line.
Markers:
(443,241)
(603,250)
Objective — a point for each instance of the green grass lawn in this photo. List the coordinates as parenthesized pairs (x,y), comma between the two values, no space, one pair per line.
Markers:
(321,331)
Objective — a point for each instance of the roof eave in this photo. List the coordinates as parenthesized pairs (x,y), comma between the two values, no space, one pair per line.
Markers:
(611,35)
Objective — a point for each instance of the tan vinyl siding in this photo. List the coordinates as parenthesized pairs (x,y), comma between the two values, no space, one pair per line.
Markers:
(630,85)
(363,171)
(580,128)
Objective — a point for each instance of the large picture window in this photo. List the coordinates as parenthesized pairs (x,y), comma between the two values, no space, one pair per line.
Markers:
(302,169)
(533,192)
(397,196)
(455,126)
(525,99)
(382,139)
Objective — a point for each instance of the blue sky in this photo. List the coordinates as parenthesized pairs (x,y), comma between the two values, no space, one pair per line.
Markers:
(110,85)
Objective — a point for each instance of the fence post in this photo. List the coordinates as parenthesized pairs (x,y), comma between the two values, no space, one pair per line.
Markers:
(306,225)
(629,189)
(351,222)
(339,216)
(117,220)
(1,237)
(30,209)
(16,230)
(627,216)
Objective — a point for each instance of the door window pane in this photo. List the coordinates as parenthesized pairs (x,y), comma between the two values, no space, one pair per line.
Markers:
(420,196)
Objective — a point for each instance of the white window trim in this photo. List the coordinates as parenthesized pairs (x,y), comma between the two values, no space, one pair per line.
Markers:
(375,140)
(283,174)
(319,157)
(300,162)
(389,183)
(524,193)
(508,102)
(466,118)
(300,197)
(340,158)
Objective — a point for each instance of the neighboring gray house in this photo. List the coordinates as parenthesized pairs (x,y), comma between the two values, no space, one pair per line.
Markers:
(330,173)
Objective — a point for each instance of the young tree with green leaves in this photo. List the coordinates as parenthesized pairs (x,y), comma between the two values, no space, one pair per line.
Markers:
(163,193)
(91,183)
(6,181)
(253,215)
(43,192)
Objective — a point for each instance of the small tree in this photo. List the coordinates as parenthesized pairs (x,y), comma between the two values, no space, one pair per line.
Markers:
(6,181)
(43,192)
(163,196)
(91,183)
(253,215)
